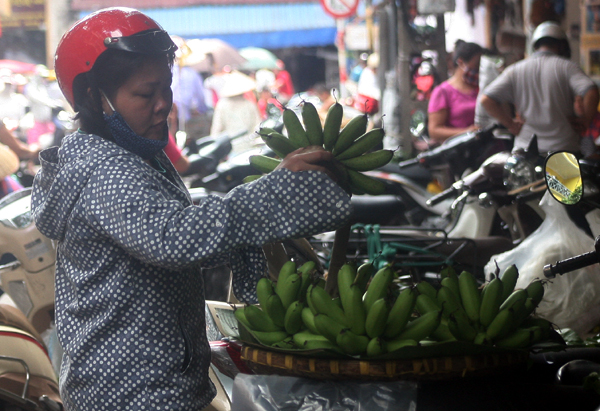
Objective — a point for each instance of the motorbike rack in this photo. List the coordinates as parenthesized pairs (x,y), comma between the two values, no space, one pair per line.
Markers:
(415,250)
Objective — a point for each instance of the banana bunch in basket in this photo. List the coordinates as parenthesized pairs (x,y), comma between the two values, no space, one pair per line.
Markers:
(352,146)
(299,314)
(495,314)
(367,320)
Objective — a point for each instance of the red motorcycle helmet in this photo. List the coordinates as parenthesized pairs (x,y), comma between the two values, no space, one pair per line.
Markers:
(112,28)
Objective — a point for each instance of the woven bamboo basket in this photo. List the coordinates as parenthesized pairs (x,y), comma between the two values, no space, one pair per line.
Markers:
(263,361)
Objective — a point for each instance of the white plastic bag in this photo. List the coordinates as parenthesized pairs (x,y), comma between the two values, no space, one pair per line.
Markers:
(571,300)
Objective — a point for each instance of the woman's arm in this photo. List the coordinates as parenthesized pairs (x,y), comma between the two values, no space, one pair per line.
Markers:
(22,150)
(439,131)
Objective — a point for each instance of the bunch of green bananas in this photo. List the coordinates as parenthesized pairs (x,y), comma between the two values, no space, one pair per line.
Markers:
(351,146)
(360,321)
(495,314)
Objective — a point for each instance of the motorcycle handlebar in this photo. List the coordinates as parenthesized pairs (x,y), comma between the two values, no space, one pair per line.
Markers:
(438,198)
(570,264)
(408,163)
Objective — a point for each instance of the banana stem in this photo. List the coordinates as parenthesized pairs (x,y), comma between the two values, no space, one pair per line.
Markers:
(338,258)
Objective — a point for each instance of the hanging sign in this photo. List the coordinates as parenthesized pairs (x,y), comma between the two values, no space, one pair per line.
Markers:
(340,9)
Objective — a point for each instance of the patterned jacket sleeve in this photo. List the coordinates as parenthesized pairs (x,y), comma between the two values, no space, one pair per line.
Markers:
(131,209)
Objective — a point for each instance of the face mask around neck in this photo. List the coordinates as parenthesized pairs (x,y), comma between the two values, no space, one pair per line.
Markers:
(127,138)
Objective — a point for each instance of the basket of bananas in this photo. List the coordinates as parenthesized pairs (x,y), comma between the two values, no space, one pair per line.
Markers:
(351,145)
(375,330)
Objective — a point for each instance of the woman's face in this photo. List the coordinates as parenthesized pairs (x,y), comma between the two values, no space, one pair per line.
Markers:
(145,100)
(472,64)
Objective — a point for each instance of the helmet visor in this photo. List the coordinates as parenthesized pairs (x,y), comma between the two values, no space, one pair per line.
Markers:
(145,42)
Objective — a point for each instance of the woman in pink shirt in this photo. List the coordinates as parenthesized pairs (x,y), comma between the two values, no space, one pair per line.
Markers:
(452,104)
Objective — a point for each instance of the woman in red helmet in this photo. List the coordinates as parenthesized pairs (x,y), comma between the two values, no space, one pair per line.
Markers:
(129,292)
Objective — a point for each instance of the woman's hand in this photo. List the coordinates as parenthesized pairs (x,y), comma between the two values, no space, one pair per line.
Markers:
(309,158)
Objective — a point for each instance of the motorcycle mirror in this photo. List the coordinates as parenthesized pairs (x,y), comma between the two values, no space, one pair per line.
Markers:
(563,177)
(418,124)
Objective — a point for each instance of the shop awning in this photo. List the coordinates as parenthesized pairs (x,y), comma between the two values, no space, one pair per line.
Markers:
(270,26)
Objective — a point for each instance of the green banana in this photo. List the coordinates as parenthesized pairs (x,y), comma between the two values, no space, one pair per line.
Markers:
(509,280)
(264,164)
(452,283)
(328,327)
(294,128)
(325,305)
(306,272)
(396,344)
(500,325)
(250,178)
(279,143)
(290,289)
(309,300)
(491,298)
(448,301)
(308,318)
(423,287)
(259,320)
(425,304)
(353,129)
(241,317)
(331,128)
(421,327)
(274,309)
(480,338)
(363,275)
(307,340)
(363,144)
(520,338)
(535,290)
(264,289)
(400,312)
(460,327)
(515,300)
(375,347)
(369,161)
(293,317)
(524,311)
(361,183)
(469,295)
(356,313)
(270,337)
(379,286)
(312,124)
(346,276)
(442,332)
(287,269)
(351,343)
(448,271)
(286,344)
(377,318)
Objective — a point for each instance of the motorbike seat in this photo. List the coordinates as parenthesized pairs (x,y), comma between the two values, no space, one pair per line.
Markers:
(13,317)
(375,209)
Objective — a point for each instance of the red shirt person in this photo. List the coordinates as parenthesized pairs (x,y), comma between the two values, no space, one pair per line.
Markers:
(283,82)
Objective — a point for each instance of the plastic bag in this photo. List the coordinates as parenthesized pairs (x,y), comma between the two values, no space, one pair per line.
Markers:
(282,393)
(571,300)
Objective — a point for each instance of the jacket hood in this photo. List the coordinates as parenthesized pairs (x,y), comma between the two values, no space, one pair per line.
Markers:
(64,174)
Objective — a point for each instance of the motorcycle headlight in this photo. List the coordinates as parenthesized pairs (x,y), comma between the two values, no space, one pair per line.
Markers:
(520,171)
(15,209)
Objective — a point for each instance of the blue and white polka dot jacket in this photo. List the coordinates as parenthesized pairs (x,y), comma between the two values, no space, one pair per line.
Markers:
(129,294)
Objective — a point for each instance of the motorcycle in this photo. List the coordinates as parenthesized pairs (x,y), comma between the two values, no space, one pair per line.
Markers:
(28,380)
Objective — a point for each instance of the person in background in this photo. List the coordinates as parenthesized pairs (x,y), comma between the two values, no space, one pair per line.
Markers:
(22,150)
(368,90)
(9,164)
(189,94)
(267,103)
(130,308)
(543,90)
(234,112)
(324,94)
(452,105)
(284,87)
